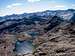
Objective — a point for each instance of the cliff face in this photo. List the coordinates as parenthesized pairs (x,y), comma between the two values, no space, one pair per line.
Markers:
(48,33)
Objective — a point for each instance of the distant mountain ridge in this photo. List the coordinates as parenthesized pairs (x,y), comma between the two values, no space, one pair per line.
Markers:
(27,21)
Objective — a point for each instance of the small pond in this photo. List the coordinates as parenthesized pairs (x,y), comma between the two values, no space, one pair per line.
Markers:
(24,47)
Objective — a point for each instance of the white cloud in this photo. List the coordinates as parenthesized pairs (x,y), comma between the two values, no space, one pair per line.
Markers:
(12,9)
(13,5)
(73,5)
(59,6)
(33,0)
(15,8)
(55,6)
(18,8)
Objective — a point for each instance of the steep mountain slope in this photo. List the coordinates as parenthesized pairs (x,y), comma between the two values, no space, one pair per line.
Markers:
(48,33)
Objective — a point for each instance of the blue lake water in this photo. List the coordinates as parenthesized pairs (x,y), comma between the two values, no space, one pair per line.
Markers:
(24,47)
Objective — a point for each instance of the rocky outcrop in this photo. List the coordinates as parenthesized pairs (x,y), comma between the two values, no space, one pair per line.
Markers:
(7,44)
(59,42)
(23,36)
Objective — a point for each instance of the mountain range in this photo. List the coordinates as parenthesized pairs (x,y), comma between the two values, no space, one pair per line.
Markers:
(50,33)
(17,23)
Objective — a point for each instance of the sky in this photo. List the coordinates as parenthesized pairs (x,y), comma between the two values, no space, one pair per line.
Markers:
(8,7)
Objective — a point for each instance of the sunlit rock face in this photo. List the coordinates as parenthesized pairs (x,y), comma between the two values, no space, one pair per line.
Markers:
(23,36)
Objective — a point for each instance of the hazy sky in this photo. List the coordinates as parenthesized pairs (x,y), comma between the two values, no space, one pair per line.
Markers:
(8,7)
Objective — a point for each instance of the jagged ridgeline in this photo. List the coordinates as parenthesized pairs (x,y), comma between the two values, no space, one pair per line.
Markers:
(47,33)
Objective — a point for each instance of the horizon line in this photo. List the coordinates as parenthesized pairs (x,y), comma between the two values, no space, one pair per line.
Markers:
(37,12)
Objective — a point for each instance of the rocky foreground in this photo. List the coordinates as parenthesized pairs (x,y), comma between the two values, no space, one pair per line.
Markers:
(59,42)
(44,35)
